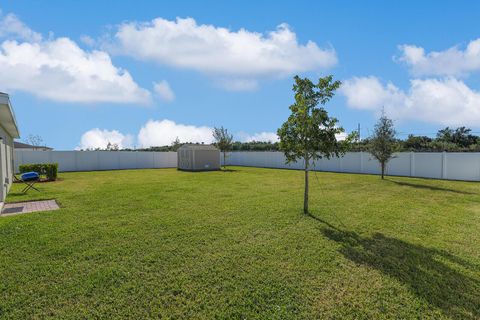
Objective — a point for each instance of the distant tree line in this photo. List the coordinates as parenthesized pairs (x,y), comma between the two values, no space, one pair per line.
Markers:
(236,146)
(448,139)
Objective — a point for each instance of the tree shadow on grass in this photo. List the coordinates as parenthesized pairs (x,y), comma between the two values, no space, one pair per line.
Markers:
(427,187)
(429,273)
(16,194)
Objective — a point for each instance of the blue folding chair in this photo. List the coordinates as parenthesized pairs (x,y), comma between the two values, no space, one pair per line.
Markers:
(29,178)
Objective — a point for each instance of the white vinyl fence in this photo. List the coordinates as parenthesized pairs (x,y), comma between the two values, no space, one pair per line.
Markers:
(438,165)
(97,160)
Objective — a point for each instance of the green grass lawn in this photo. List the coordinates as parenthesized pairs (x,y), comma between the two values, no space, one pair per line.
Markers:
(163,243)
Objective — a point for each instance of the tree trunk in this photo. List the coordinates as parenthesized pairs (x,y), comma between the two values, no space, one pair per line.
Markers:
(224,160)
(383,170)
(305,196)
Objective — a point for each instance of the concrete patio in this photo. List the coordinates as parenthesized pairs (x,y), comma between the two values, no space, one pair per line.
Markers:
(28,206)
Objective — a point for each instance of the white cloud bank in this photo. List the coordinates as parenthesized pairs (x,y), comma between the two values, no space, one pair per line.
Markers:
(164,91)
(446,101)
(242,54)
(10,25)
(261,136)
(237,84)
(450,62)
(163,132)
(97,138)
(58,69)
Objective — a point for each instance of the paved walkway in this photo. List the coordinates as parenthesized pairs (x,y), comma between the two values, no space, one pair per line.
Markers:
(29,206)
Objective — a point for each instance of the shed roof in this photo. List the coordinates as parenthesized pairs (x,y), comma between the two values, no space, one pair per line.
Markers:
(198,147)
(7,117)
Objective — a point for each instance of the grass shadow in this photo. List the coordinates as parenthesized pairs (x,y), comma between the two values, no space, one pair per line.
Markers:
(209,171)
(429,273)
(428,187)
(16,194)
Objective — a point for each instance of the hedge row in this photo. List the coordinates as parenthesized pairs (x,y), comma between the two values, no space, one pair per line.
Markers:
(50,170)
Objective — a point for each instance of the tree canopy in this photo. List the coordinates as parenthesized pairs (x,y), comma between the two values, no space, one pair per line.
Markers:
(309,133)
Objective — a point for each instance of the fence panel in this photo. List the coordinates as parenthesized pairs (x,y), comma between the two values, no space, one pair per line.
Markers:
(463,166)
(97,160)
(87,161)
(369,164)
(352,162)
(108,160)
(33,156)
(66,160)
(428,165)
(438,165)
(400,165)
(164,159)
(144,160)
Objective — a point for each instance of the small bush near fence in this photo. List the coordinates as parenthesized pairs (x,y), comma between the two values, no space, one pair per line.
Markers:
(49,170)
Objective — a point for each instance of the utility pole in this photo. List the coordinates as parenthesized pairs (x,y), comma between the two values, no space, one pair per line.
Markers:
(358,131)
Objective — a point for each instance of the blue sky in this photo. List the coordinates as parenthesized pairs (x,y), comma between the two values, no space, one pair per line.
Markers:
(418,59)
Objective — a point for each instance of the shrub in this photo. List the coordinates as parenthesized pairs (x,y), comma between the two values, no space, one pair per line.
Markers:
(49,170)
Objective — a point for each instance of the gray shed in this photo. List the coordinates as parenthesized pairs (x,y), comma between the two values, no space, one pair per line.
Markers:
(198,157)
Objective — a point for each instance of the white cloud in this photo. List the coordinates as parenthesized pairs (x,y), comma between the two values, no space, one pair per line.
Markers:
(97,138)
(89,41)
(164,91)
(450,62)
(237,84)
(10,25)
(369,93)
(260,137)
(219,51)
(58,69)
(446,101)
(163,132)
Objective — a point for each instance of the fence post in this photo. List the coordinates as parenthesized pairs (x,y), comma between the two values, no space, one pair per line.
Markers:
(361,161)
(98,160)
(444,165)
(412,164)
(75,156)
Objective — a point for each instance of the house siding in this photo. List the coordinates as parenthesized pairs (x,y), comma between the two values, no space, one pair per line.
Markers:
(6,163)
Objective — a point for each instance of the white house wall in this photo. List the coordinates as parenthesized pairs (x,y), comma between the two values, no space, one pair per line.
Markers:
(6,162)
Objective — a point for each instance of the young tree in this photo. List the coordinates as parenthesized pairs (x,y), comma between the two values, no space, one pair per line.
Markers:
(176,144)
(112,147)
(34,140)
(224,141)
(309,133)
(383,143)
